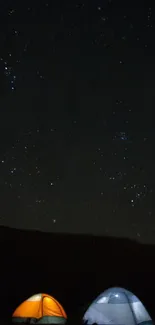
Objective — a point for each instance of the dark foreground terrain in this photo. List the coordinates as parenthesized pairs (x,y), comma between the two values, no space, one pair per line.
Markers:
(73,268)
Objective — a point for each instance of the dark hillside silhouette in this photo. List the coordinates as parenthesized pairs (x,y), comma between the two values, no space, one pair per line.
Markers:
(73,268)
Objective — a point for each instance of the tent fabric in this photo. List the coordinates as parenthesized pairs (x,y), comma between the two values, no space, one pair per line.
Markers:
(40,308)
(42,320)
(50,320)
(117,306)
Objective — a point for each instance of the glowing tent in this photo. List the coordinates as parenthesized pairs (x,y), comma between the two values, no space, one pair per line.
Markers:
(41,309)
(117,306)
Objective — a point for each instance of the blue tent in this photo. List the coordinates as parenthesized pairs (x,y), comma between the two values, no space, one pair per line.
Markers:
(117,306)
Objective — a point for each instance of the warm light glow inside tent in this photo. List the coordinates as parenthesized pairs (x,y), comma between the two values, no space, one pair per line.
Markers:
(117,306)
(41,309)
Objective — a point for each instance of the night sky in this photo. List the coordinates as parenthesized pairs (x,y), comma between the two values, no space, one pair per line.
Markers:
(77,91)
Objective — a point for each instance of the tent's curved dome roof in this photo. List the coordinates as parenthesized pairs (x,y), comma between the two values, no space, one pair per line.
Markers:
(40,308)
(116,295)
(117,306)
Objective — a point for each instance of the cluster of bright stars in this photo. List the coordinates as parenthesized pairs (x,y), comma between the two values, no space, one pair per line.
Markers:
(140,191)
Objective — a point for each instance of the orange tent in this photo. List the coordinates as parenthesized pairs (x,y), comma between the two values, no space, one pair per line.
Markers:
(41,309)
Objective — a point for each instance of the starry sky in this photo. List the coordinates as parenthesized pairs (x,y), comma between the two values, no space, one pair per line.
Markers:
(76,104)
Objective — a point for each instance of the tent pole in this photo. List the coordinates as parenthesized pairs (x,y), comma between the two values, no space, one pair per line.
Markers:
(131,309)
